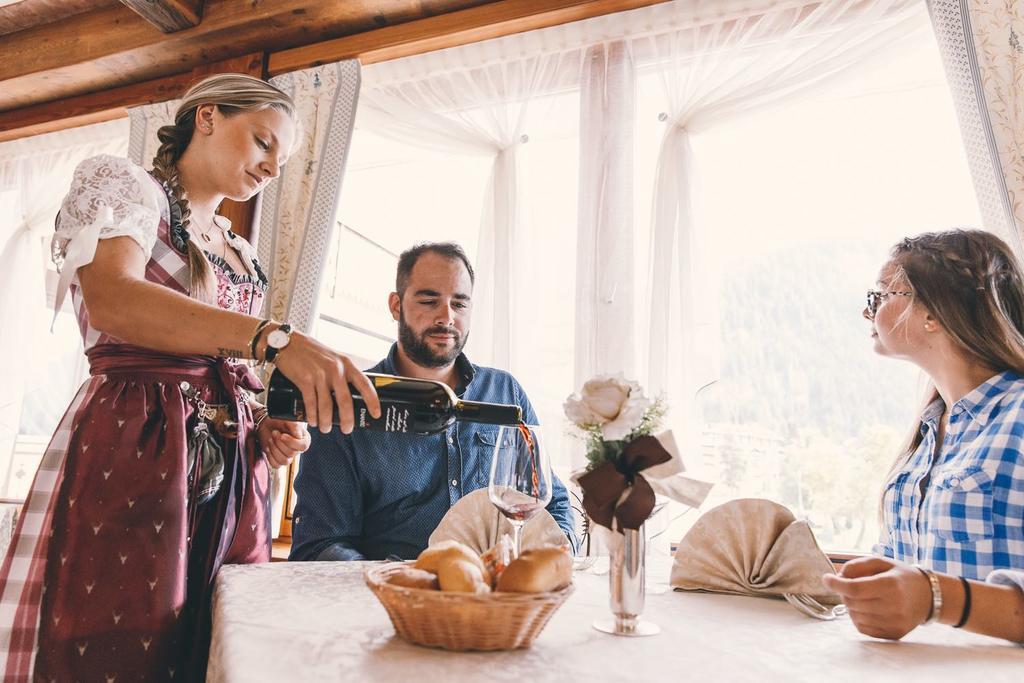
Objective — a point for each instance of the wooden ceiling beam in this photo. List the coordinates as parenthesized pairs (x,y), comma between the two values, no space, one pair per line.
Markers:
(479,22)
(484,22)
(107,105)
(85,109)
(18,16)
(115,46)
(168,15)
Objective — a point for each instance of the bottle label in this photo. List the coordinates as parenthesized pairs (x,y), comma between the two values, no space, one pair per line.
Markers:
(394,419)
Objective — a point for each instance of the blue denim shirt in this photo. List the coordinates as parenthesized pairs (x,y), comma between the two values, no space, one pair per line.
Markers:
(369,494)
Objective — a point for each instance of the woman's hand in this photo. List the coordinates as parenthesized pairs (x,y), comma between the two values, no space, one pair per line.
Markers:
(282,440)
(885,599)
(318,371)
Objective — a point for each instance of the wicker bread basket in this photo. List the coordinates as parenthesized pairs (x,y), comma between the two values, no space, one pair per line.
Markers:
(463,621)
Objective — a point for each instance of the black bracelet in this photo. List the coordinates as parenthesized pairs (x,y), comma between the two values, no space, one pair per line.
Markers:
(256,336)
(966,613)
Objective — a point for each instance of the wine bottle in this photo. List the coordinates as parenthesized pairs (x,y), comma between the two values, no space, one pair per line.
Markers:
(413,406)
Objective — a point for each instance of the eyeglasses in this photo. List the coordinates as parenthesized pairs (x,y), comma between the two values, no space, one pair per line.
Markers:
(875,299)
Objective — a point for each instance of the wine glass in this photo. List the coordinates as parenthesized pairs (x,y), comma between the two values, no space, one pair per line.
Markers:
(520,483)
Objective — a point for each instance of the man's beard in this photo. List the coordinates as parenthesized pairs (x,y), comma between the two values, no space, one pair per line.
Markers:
(419,350)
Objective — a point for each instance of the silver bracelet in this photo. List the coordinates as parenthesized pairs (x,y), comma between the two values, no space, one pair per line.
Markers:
(259,415)
(933,582)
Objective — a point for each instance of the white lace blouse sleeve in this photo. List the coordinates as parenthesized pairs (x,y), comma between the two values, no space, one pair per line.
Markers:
(109,197)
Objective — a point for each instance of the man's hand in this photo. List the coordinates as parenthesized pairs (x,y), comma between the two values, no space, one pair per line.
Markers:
(886,599)
(282,440)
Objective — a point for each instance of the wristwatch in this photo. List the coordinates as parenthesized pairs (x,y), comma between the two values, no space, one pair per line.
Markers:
(276,341)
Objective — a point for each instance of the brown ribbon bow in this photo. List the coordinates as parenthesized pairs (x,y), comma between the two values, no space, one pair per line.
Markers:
(603,486)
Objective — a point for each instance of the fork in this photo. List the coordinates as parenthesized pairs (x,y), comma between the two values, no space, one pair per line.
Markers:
(812,608)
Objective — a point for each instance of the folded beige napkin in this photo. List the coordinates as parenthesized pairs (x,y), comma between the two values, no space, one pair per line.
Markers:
(752,546)
(476,522)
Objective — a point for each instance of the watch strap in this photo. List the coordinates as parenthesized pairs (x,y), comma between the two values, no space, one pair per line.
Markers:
(256,336)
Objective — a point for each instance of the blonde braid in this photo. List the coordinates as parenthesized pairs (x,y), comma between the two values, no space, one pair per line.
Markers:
(173,141)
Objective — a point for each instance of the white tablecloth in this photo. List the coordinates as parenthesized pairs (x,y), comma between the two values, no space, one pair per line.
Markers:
(318,622)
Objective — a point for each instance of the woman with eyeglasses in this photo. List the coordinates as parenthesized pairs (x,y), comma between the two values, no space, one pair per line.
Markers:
(952,303)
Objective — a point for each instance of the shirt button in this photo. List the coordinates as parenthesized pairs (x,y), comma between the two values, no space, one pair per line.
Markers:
(451,440)
(455,482)
(954,482)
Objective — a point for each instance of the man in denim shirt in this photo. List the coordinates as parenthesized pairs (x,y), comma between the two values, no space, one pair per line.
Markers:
(369,495)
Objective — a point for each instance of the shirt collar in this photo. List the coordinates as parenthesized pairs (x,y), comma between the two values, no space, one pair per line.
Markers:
(933,412)
(977,403)
(466,370)
(985,398)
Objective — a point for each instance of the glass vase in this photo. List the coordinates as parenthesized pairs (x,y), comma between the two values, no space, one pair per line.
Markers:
(626,579)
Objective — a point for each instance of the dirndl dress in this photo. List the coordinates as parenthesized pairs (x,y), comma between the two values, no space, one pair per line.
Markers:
(111,570)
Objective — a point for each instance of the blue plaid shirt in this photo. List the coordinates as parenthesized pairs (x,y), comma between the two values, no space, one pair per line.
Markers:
(969,520)
(372,494)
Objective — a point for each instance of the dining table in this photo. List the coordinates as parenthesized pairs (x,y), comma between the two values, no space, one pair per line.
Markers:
(318,621)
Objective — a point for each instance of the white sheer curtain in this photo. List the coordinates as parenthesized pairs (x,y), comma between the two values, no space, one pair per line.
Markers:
(35,173)
(605,272)
(717,60)
(473,100)
(720,61)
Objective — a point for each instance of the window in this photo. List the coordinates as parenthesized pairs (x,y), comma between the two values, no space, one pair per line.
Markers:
(796,208)
(799,207)
(397,195)
(393,196)
(55,367)
(45,368)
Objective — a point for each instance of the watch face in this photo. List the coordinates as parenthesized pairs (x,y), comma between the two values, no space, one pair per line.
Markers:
(278,339)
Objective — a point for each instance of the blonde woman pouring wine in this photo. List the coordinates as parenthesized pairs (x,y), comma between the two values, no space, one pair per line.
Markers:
(159,471)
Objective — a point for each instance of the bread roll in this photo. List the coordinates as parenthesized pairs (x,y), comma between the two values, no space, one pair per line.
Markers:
(461,576)
(537,571)
(410,577)
(433,557)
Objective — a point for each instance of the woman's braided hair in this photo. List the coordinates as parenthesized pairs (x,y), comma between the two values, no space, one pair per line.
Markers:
(971,282)
(233,94)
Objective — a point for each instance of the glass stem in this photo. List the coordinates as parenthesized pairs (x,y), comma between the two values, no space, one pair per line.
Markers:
(517,538)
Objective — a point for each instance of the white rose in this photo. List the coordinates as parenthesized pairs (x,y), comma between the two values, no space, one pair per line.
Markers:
(614,403)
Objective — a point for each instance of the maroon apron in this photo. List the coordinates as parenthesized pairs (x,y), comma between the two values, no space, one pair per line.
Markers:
(132,558)
(109,573)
